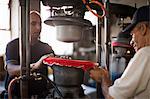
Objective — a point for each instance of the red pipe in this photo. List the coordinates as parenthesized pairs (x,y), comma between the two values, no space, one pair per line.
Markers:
(99,4)
(12,82)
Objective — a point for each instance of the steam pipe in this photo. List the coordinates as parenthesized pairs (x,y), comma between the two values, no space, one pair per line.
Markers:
(98,54)
(107,33)
(24,48)
(10,86)
(90,9)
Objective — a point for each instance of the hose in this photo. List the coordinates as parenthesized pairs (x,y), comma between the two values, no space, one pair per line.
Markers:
(99,4)
(12,82)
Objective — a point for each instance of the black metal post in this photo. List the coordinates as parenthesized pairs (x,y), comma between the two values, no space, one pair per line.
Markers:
(24,48)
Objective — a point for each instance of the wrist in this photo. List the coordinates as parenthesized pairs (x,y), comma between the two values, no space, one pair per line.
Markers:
(31,65)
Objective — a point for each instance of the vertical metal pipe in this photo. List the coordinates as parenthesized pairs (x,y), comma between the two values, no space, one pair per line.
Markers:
(24,48)
(28,37)
(107,33)
(98,41)
(98,54)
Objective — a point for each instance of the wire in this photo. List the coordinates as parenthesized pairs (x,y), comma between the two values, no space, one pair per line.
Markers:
(99,4)
(53,84)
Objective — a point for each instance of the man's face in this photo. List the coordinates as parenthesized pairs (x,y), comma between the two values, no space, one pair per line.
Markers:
(35,26)
(137,38)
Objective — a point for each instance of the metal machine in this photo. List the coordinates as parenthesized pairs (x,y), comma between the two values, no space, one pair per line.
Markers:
(68,18)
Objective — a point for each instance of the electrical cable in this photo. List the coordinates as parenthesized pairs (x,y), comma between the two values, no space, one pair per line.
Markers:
(53,84)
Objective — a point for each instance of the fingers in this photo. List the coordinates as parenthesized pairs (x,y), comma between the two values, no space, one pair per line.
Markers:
(33,66)
(57,56)
(95,74)
(65,57)
(46,56)
(98,73)
(95,67)
(49,55)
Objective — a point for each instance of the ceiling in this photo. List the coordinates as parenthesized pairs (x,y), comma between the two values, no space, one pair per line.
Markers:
(138,3)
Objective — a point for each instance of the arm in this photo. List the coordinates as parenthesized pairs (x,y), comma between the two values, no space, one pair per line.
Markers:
(106,83)
(12,58)
(13,69)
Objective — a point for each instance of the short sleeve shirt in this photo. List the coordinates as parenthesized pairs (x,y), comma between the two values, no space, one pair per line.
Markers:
(37,51)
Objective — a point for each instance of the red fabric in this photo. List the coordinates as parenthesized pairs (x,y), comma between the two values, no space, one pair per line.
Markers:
(85,65)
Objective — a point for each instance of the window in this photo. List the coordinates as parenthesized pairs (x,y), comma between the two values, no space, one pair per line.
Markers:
(4,25)
(91,17)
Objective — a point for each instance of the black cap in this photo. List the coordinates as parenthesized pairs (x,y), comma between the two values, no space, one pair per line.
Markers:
(125,35)
(141,14)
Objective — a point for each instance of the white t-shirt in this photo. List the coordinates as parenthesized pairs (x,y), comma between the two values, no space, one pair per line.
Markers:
(135,81)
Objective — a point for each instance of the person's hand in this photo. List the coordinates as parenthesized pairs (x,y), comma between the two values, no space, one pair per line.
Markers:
(45,56)
(101,75)
(64,57)
(38,64)
(96,74)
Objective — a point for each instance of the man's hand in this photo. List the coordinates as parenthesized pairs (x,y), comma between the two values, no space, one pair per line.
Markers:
(96,74)
(99,74)
(38,64)
(102,76)
(64,57)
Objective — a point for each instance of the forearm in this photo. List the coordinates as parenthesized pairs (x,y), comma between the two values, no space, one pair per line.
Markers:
(13,70)
(105,89)
(106,83)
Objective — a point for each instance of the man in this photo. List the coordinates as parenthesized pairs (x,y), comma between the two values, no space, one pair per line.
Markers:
(39,51)
(135,81)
